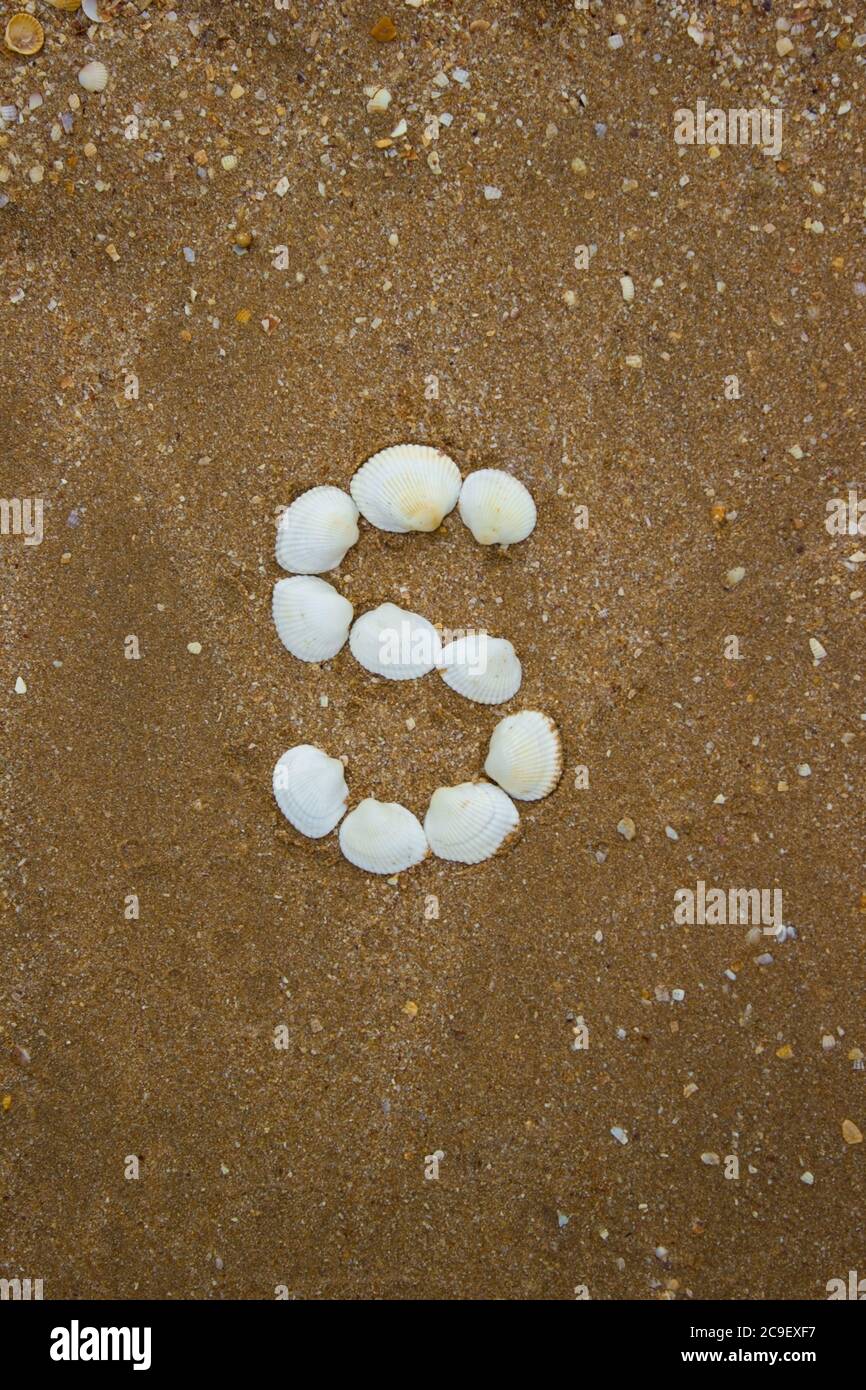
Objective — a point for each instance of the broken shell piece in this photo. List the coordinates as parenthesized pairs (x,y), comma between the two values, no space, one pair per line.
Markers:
(315,532)
(94,77)
(64,4)
(382,837)
(312,619)
(310,790)
(24,34)
(626,284)
(379,101)
(470,822)
(525,756)
(818,652)
(408,487)
(496,507)
(481,668)
(392,642)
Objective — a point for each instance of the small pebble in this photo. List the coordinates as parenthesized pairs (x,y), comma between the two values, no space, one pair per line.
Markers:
(627,828)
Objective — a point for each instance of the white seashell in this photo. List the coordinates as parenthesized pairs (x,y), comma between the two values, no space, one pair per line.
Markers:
(311,790)
(482,668)
(94,77)
(496,507)
(470,822)
(96,10)
(409,487)
(312,619)
(392,642)
(315,532)
(525,755)
(382,837)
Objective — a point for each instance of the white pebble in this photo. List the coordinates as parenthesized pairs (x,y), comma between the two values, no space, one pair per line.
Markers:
(20,686)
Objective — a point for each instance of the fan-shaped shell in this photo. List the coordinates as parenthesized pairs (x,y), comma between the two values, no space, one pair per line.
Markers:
(408,487)
(315,532)
(392,642)
(382,837)
(311,618)
(496,507)
(24,34)
(470,822)
(481,668)
(310,789)
(525,755)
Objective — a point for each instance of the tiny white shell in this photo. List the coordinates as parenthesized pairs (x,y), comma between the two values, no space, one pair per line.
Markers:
(315,532)
(481,668)
(392,642)
(525,755)
(408,487)
(470,822)
(311,618)
(496,507)
(382,837)
(310,789)
(94,77)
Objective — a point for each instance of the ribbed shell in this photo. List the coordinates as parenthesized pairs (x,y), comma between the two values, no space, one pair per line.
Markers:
(470,822)
(310,789)
(525,755)
(312,619)
(462,663)
(315,532)
(382,837)
(392,642)
(408,487)
(496,507)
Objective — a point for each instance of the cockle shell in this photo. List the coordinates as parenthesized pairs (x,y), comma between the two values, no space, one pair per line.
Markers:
(409,487)
(382,837)
(94,77)
(470,822)
(392,642)
(315,532)
(481,668)
(496,507)
(24,34)
(311,790)
(525,755)
(311,618)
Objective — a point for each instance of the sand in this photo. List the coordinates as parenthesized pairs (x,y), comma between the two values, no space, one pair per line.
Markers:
(166,389)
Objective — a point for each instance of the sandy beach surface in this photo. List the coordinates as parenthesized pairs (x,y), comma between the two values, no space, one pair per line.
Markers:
(224,281)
